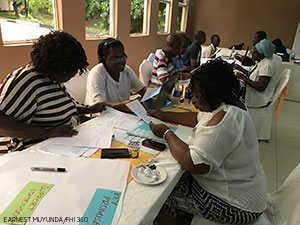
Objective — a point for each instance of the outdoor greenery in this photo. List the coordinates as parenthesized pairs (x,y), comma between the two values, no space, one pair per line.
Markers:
(99,9)
(136,16)
(97,13)
(40,11)
(162,13)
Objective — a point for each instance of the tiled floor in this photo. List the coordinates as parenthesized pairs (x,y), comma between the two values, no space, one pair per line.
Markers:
(282,154)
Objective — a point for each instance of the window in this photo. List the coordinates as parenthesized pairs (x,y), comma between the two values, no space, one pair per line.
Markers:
(24,20)
(164,16)
(182,15)
(138,17)
(99,19)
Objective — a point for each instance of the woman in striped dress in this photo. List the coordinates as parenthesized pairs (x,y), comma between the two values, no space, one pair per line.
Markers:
(33,104)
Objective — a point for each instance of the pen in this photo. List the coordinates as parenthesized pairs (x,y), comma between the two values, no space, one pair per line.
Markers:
(49,169)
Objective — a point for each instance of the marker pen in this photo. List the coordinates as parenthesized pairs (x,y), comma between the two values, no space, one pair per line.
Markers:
(49,169)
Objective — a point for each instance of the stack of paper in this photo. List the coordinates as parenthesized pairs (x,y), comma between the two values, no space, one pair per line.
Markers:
(85,143)
(94,134)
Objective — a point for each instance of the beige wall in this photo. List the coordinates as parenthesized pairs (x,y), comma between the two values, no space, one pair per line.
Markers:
(236,21)
(71,18)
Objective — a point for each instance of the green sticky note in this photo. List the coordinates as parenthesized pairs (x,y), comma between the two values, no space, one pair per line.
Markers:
(21,208)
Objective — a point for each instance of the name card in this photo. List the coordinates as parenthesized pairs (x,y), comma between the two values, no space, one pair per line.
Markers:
(24,204)
(102,207)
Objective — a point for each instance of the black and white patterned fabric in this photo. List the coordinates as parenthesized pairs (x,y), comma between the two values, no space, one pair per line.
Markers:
(189,198)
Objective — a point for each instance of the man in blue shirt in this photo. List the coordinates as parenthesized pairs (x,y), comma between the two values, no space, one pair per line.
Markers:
(193,54)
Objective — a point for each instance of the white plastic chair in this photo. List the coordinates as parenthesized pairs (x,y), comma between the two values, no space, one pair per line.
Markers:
(262,117)
(151,57)
(76,87)
(283,204)
(145,69)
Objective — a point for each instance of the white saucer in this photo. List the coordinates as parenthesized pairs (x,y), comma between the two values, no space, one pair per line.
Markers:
(141,178)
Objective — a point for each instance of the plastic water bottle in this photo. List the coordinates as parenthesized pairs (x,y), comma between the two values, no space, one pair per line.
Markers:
(177,93)
(187,99)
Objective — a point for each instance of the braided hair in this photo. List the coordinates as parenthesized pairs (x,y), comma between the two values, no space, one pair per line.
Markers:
(105,45)
(217,83)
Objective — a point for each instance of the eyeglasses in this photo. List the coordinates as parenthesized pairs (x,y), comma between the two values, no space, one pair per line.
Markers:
(117,59)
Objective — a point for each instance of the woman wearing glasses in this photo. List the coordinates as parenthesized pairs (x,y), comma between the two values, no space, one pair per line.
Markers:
(112,81)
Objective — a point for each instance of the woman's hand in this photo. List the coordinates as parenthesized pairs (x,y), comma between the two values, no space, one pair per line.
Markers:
(240,75)
(97,107)
(155,113)
(238,67)
(158,129)
(62,131)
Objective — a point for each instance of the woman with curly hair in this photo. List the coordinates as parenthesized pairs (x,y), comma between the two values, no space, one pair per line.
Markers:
(224,180)
(33,104)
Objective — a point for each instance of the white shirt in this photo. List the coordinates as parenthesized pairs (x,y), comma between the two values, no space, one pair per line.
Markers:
(208,51)
(231,150)
(254,98)
(102,87)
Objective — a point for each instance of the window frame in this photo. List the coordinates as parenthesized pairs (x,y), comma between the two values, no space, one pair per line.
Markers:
(112,24)
(146,20)
(184,16)
(169,5)
(32,41)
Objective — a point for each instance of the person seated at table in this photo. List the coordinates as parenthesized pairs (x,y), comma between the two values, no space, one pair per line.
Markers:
(210,51)
(193,53)
(112,81)
(163,67)
(261,80)
(224,179)
(33,104)
(177,60)
(245,60)
(281,50)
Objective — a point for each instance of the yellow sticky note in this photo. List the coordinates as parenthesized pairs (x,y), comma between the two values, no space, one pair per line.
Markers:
(21,208)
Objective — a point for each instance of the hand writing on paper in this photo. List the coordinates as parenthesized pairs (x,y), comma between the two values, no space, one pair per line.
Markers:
(158,129)
(155,113)
(62,131)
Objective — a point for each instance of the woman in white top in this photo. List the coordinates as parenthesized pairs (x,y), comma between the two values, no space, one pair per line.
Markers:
(111,80)
(262,78)
(224,180)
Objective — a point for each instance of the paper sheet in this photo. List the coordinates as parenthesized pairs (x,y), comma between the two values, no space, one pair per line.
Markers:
(85,143)
(102,207)
(25,203)
(136,107)
(72,191)
(65,150)
(150,93)
(114,118)
(96,137)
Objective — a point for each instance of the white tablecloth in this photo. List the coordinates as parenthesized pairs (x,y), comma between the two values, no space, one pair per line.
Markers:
(141,202)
